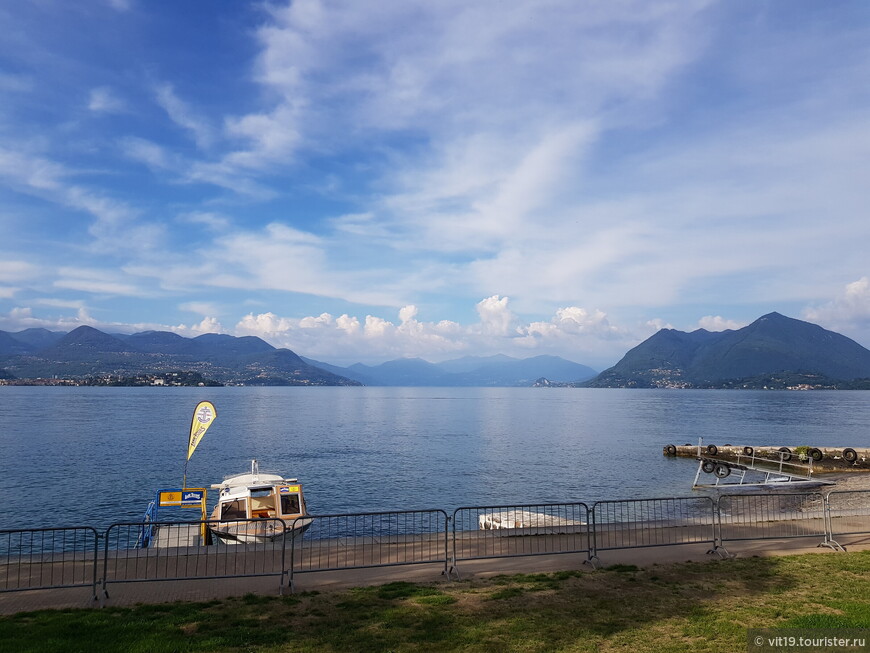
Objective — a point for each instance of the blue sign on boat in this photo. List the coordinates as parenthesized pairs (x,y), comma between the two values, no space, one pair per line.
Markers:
(191,497)
(180,497)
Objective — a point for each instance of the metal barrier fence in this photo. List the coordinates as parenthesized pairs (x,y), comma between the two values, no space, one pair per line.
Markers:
(848,513)
(48,558)
(526,530)
(375,539)
(772,517)
(189,551)
(638,523)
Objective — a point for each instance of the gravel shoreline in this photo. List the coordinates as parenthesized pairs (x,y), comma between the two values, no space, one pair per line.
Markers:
(846,481)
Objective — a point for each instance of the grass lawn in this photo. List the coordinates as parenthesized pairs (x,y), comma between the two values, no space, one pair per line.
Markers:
(683,607)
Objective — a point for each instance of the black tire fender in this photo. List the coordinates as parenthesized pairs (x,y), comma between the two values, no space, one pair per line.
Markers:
(748,451)
(708,466)
(712,449)
(850,455)
(671,450)
(722,471)
(786,454)
(816,454)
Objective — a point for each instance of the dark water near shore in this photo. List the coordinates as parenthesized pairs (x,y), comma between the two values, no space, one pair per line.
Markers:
(94,456)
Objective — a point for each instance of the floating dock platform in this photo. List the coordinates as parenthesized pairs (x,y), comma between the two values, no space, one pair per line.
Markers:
(823,459)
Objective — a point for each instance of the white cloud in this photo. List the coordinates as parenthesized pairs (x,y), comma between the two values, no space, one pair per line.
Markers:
(276,258)
(719,323)
(573,332)
(201,308)
(657,324)
(184,116)
(407,313)
(208,325)
(22,317)
(495,316)
(93,280)
(75,304)
(848,313)
(271,137)
(104,100)
(377,327)
(116,224)
(147,152)
(15,83)
(348,324)
(17,271)
(212,220)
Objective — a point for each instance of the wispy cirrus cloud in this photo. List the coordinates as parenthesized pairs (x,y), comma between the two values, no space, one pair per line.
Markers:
(94,281)
(183,115)
(603,165)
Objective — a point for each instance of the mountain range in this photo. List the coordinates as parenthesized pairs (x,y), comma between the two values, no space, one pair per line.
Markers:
(773,351)
(85,352)
(772,346)
(88,352)
(476,371)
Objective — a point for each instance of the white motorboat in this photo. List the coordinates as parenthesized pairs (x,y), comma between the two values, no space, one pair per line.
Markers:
(258,507)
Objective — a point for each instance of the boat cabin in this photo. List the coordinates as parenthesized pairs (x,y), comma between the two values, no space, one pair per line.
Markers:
(259,496)
(275,501)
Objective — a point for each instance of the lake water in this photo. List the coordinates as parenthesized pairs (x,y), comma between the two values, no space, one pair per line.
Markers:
(93,456)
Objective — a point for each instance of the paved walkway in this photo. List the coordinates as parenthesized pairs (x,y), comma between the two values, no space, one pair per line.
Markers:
(132,593)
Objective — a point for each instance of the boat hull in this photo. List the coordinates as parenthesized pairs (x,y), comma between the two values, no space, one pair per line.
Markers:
(256,532)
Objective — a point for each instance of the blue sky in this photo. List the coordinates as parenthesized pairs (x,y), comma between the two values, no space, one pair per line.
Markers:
(360,181)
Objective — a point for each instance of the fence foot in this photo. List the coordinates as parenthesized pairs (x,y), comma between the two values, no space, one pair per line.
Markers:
(450,572)
(832,544)
(722,552)
(592,561)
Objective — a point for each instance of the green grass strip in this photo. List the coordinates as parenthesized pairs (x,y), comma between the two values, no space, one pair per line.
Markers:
(683,607)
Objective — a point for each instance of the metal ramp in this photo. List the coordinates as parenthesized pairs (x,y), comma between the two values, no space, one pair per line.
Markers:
(177,535)
(173,535)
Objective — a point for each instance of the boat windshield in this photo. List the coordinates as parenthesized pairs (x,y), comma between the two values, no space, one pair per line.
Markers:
(290,504)
(233,510)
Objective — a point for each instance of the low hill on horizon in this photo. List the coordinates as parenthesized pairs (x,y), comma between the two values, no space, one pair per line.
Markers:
(772,345)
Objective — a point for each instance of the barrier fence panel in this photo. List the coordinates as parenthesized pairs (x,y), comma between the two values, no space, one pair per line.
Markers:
(375,539)
(848,513)
(189,551)
(45,558)
(507,531)
(772,516)
(637,523)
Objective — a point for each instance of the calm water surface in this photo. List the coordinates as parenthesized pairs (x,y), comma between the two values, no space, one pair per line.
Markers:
(97,455)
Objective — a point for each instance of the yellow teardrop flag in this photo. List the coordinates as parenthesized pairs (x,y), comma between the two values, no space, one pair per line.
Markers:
(203,415)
